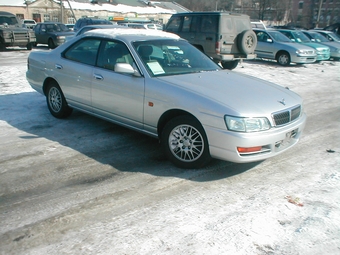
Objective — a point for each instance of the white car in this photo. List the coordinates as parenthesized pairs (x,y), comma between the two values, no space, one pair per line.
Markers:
(159,84)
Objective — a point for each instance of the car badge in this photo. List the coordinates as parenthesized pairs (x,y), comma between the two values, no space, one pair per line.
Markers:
(282,101)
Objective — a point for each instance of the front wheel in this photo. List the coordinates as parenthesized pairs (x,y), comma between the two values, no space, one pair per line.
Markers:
(283,59)
(56,102)
(29,46)
(185,143)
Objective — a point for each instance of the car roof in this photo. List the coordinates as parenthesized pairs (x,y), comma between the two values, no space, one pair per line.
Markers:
(209,13)
(131,34)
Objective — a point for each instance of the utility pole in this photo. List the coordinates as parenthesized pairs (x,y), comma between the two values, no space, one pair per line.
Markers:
(319,12)
(61,11)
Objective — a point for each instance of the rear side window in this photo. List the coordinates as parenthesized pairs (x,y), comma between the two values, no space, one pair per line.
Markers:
(209,24)
(84,51)
(190,24)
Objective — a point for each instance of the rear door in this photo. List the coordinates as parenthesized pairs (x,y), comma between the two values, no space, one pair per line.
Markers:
(206,33)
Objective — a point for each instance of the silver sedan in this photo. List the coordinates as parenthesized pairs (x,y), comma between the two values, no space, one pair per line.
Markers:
(272,44)
(159,84)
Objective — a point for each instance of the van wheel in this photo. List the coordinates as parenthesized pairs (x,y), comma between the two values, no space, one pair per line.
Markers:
(230,64)
(185,143)
(29,46)
(247,41)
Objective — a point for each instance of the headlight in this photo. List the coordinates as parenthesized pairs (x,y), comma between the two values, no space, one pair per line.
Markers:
(302,52)
(246,124)
(61,37)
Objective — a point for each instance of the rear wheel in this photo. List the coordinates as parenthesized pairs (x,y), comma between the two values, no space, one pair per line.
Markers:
(230,64)
(56,102)
(51,44)
(185,143)
(283,58)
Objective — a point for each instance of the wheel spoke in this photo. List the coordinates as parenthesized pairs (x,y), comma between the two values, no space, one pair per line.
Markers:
(186,143)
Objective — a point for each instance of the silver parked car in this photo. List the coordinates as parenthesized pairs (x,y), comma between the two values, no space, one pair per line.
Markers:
(331,36)
(272,44)
(159,84)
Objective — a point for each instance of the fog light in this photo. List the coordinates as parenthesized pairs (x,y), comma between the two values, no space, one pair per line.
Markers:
(250,149)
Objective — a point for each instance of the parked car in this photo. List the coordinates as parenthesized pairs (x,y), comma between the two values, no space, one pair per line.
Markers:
(13,34)
(89,21)
(272,44)
(159,84)
(92,27)
(322,51)
(52,33)
(331,36)
(333,27)
(29,23)
(225,37)
(70,26)
(333,46)
(142,25)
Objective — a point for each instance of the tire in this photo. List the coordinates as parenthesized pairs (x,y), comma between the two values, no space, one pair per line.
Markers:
(29,46)
(247,41)
(185,143)
(56,102)
(230,64)
(283,58)
(51,44)
(2,45)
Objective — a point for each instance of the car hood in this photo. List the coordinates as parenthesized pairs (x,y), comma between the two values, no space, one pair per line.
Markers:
(332,45)
(64,33)
(315,45)
(241,94)
(293,45)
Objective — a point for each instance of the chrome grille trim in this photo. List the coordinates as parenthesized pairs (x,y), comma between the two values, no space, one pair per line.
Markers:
(286,116)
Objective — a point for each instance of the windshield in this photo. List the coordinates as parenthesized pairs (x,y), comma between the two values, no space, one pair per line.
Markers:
(335,36)
(57,28)
(8,20)
(318,37)
(279,37)
(172,57)
(301,37)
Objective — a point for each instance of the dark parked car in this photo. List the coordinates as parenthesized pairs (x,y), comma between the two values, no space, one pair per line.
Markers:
(52,33)
(89,21)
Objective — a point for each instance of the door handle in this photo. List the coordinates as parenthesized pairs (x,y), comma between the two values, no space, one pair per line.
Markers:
(98,77)
(58,66)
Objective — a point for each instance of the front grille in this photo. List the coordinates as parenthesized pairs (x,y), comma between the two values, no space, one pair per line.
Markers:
(286,116)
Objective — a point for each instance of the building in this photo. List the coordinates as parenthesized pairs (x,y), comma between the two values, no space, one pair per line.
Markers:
(68,11)
(315,13)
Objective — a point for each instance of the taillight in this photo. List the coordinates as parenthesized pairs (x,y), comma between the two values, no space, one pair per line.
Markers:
(218,47)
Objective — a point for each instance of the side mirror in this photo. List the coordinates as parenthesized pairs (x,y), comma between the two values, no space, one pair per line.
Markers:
(125,68)
(269,40)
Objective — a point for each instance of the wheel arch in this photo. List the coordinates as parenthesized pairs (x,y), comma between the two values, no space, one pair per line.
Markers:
(280,52)
(168,115)
(46,82)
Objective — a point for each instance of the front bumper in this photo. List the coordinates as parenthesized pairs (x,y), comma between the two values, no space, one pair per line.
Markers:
(223,143)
